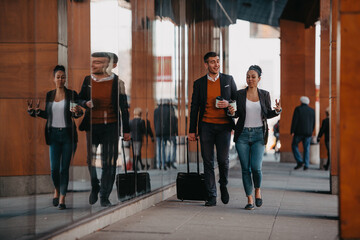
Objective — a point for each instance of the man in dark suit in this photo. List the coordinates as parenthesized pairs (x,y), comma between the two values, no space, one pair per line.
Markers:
(209,115)
(302,127)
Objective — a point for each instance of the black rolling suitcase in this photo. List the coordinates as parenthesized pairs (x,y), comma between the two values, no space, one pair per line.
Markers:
(129,183)
(191,185)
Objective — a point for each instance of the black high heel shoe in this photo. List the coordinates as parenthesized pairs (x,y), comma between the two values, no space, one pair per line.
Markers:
(55,202)
(62,206)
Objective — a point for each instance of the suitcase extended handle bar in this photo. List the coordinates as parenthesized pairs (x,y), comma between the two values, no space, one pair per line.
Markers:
(134,160)
(197,155)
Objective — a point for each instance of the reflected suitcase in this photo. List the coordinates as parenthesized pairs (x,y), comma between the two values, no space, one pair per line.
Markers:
(191,185)
(129,183)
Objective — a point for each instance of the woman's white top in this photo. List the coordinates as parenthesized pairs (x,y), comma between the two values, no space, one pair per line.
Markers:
(58,116)
(253,114)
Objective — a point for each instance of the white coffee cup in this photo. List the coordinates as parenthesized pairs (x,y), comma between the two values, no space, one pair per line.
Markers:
(233,104)
(72,105)
(218,99)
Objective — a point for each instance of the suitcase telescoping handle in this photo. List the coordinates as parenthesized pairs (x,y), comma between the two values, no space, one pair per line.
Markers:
(197,155)
(123,150)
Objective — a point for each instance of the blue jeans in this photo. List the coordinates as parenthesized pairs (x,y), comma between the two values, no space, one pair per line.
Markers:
(161,143)
(61,151)
(250,147)
(172,153)
(306,144)
(215,135)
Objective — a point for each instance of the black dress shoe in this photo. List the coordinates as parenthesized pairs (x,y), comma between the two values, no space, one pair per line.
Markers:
(55,202)
(211,202)
(94,195)
(298,166)
(224,194)
(258,202)
(104,202)
(62,206)
(306,168)
(249,206)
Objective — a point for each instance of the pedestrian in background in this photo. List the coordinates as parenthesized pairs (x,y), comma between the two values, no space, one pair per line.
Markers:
(138,130)
(324,130)
(302,127)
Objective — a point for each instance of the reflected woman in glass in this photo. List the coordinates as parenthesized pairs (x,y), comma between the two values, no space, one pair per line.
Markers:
(60,131)
(251,132)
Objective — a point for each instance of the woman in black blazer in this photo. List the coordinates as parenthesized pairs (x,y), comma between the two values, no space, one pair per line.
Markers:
(60,131)
(251,132)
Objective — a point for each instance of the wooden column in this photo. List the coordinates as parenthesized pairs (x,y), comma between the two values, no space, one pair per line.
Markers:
(28,52)
(297,76)
(324,70)
(78,25)
(348,116)
(142,62)
(334,111)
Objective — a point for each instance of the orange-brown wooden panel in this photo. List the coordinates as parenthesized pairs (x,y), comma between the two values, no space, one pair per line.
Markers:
(310,66)
(79,34)
(349,6)
(22,141)
(292,76)
(324,66)
(22,65)
(27,21)
(78,61)
(349,103)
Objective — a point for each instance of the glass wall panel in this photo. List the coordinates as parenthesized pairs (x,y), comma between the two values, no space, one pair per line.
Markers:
(130,60)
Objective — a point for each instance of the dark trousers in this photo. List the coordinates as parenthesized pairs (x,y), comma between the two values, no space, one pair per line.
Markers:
(306,145)
(328,154)
(106,136)
(215,135)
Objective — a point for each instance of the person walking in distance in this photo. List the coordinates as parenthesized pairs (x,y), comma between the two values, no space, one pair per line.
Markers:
(209,118)
(325,130)
(302,127)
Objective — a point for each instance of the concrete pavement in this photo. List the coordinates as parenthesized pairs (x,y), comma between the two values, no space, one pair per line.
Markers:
(297,205)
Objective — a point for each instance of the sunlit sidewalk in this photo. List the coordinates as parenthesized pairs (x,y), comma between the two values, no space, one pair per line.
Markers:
(297,205)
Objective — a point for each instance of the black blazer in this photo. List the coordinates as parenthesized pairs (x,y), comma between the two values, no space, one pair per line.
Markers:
(70,95)
(118,98)
(199,97)
(325,129)
(266,111)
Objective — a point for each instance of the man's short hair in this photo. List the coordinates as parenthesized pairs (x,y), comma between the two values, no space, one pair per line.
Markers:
(101,54)
(114,56)
(137,111)
(210,54)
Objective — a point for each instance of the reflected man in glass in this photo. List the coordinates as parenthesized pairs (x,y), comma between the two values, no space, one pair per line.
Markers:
(103,96)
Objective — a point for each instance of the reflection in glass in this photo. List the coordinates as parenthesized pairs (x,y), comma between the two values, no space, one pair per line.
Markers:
(103,96)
